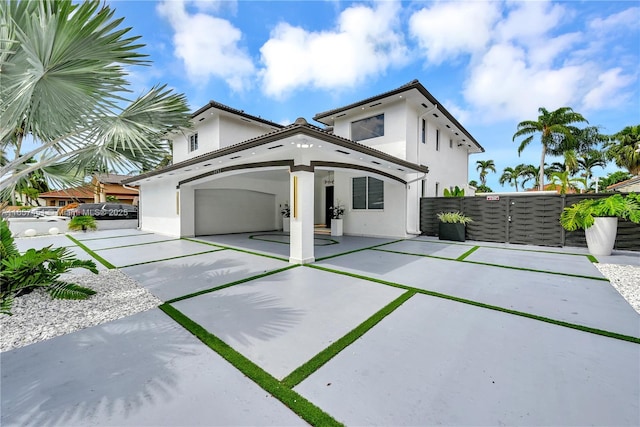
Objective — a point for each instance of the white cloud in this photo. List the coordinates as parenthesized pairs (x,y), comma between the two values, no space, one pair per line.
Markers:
(608,91)
(447,30)
(628,18)
(503,85)
(208,46)
(366,42)
(529,21)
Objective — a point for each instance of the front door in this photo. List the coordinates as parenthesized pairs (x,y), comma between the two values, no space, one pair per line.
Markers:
(328,203)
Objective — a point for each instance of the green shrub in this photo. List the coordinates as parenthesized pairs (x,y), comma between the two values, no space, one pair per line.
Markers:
(83,222)
(454,218)
(455,192)
(22,273)
(582,215)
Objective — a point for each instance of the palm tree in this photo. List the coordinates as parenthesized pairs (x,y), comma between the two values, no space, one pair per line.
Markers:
(624,149)
(64,85)
(589,160)
(484,166)
(510,175)
(554,127)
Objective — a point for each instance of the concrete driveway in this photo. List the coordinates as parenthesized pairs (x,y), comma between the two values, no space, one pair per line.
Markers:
(376,332)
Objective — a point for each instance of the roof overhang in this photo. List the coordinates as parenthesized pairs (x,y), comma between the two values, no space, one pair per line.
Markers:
(418,94)
(298,141)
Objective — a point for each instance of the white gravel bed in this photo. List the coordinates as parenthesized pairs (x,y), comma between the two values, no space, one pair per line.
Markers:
(37,317)
(626,280)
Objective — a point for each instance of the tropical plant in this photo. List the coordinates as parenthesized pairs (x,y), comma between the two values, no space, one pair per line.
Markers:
(83,222)
(456,217)
(64,69)
(613,178)
(337,211)
(484,189)
(454,192)
(511,175)
(581,215)
(285,211)
(624,149)
(554,127)
(485,166)
(589,160)
(22,273)
(566,182)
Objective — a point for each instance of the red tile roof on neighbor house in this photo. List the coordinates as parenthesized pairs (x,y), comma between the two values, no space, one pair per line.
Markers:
(84,192)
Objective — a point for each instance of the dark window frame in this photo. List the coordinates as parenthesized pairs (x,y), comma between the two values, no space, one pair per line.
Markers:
(367,128)
(371,197)
(193,142)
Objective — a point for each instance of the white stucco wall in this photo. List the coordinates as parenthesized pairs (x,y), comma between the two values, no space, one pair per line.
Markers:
(158,207)
(393,141)
(403,136)
(235,130)
(389,222)
(448,166)
(215,132)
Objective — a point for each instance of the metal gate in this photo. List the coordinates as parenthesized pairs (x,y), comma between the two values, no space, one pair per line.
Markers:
(525,219)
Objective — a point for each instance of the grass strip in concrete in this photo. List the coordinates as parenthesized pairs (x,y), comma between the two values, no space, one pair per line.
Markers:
(170,258)
(136,244)
(117,237)
(294,401)
(231,248)
(534,270)
(466,254)
(582,328)
(304,371)
(92,253)
(227,285)
(358,250)
(593,259)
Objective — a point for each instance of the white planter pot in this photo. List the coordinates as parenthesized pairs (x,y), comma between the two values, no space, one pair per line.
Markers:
(601,236)
(286,226)
(336,227)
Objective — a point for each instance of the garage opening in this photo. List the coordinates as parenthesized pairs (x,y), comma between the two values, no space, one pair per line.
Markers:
(223,211)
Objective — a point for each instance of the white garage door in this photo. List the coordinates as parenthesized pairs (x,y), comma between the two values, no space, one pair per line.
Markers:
(221,211)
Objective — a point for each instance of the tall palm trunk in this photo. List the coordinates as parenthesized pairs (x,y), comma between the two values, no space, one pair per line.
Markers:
(541,173)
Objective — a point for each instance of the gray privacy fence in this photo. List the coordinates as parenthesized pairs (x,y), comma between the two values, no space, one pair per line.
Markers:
(525,219)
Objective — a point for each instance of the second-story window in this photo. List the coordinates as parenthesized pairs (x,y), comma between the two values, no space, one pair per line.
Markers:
(450,143)
(423,135)
(437,139)
(193,142)
(371,127)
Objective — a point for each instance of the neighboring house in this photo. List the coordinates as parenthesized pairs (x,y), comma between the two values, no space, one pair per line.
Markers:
(101,187)
(233,172)
(105,185)
(631,185)
(61,198)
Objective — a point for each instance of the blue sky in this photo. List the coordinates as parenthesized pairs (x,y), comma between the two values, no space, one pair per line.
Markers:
(491,64)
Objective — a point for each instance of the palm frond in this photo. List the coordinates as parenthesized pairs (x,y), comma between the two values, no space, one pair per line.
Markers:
(65,290)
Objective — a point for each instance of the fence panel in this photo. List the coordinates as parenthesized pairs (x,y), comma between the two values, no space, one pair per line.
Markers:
(534,220)
(489,219)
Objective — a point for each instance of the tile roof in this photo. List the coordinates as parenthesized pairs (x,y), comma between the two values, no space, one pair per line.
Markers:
(223,107)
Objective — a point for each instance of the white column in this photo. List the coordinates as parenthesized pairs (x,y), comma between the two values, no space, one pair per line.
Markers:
(186,209)
(301,187)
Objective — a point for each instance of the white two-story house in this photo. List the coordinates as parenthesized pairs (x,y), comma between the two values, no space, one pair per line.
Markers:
(234,172)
